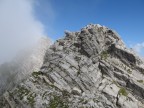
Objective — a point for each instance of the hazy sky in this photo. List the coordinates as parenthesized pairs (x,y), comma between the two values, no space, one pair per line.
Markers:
(23,22)
(125,16)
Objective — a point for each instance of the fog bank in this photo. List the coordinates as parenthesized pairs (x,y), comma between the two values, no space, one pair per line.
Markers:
(19,27)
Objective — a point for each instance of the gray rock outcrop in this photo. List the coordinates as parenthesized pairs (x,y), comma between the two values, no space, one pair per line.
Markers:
(91,68)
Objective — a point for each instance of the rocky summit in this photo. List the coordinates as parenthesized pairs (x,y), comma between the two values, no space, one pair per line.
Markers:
(91,68)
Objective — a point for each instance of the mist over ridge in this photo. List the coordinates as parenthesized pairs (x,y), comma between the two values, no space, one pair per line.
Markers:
(19,27)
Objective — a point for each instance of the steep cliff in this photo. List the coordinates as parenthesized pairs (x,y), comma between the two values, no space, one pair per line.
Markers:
(91,68)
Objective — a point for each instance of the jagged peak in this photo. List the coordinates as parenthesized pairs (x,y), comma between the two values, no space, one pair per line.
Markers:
(89,26)
(99,33)
(93,39)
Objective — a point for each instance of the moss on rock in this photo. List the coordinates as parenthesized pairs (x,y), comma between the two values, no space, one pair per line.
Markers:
(123,92)
(57,102)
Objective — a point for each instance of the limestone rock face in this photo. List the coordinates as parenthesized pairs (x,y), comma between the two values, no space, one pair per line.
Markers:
(91,68)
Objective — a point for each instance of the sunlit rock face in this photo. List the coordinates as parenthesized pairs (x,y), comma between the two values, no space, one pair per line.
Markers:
(91,68)
(23,65)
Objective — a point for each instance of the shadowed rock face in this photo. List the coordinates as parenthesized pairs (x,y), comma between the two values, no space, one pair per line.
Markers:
(91,68)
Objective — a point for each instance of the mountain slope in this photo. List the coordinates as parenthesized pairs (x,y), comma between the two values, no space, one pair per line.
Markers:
(90,68)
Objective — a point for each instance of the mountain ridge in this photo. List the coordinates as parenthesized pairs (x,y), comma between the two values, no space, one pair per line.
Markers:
(91,68)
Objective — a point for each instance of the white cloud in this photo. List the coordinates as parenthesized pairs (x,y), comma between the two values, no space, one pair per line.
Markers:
(139,48)
(18,26)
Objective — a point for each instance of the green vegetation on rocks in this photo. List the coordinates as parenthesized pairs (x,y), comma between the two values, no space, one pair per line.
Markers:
(104,55)
(140,81)
(57,102)
(123,92)
(31,98)
(22,91)
(129,71)
(36,74)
